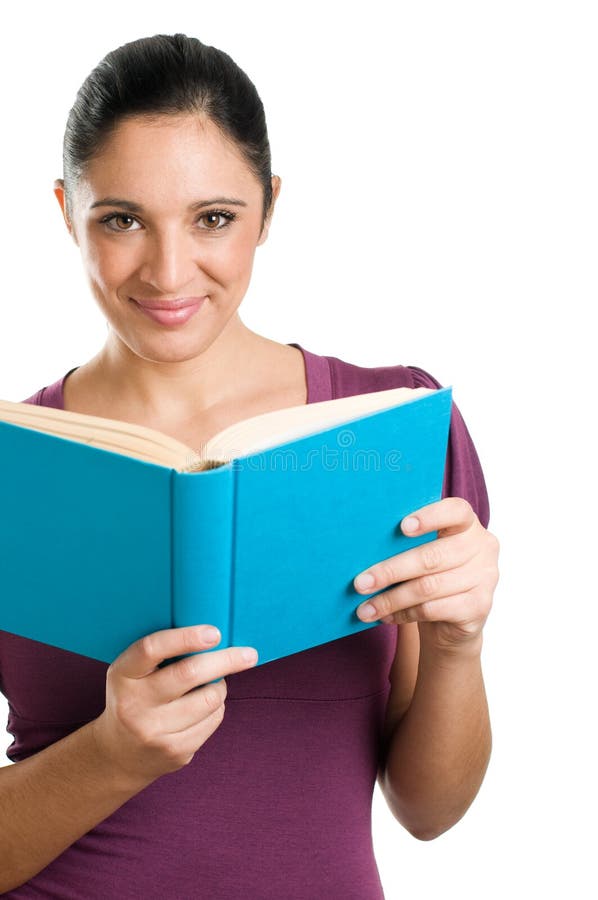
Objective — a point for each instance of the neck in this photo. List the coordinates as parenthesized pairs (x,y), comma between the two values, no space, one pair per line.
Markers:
(175,391)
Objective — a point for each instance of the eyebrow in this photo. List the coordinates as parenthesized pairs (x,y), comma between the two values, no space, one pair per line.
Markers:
(136,207)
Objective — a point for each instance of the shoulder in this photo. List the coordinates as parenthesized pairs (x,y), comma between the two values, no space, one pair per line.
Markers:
(463,475)
(36,399)
(50,394)
(349,379)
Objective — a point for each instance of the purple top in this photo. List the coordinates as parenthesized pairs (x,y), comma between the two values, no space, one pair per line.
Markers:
(277,802)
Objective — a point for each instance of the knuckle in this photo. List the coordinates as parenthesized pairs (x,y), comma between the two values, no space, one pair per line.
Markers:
(124,709)
(461,508)
(384,604)
(186,669)
(492,576)
(172,752)
(478,607)
(406,615)
(212,698)
(150,733)
(147,645)
(463,505)
(428,585)
(386,572)
(431,555)
(470,629)
(426,612)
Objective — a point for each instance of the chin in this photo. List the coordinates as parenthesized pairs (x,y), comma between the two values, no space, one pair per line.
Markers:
(171,348)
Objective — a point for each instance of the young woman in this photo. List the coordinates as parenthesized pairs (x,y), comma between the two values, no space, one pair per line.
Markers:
(139,780)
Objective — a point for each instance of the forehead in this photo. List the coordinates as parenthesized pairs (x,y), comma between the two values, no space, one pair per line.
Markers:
(165,158)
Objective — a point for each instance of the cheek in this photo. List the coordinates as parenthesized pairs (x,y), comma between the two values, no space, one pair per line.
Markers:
(235,260)
(108,265)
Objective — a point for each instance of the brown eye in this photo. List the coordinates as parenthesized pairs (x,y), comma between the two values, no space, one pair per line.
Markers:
(211,220)
(123,216)
(108,221)
(216,219)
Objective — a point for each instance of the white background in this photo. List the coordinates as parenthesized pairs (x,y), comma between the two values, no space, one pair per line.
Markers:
(439,209)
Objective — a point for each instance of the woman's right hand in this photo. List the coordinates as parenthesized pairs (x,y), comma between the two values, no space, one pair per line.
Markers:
(157,718)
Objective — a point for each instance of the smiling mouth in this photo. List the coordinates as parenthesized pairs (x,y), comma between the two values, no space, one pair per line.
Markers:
(173,312)
(178,303)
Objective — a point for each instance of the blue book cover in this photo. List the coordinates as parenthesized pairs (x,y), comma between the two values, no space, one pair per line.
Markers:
(98,549)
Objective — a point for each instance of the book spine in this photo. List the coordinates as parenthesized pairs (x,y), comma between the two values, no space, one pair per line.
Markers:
(202,534)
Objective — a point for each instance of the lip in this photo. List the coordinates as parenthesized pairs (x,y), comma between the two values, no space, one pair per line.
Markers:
(170,312)
(178,303)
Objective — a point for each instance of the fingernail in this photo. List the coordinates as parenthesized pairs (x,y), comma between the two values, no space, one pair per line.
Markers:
(364,581)
(249,654)
(211,634)
(410,523)
(367,611)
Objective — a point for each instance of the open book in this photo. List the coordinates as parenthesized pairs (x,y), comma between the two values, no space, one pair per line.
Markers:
(110,530)
(248,436)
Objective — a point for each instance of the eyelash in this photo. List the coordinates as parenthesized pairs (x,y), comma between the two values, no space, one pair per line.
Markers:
(229,216)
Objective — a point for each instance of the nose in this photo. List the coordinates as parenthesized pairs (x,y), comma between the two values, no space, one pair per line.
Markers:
(170,262)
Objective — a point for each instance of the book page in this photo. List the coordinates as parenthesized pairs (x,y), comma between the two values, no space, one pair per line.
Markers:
(282,425)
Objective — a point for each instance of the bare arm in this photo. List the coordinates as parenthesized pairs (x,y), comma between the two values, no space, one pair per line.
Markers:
(156,718)
(51,799)
(441,748)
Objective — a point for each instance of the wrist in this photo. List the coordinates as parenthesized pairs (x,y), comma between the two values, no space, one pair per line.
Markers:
(115,774)
(434,646)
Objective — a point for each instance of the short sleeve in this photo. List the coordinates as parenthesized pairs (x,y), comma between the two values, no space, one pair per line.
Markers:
(463,476)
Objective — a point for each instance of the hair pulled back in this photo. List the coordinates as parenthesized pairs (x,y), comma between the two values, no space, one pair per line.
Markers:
(166,75)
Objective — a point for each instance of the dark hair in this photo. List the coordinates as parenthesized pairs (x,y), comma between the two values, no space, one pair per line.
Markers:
(166,75)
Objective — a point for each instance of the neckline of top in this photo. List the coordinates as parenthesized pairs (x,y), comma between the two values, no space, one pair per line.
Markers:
(317,377)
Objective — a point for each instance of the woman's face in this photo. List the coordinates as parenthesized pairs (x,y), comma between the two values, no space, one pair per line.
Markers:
(186,225)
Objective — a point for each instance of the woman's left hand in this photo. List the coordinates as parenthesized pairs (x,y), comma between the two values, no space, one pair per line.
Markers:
(445,585)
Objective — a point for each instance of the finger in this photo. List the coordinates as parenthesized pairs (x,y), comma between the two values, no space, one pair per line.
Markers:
(194,671)
(428,588)
(449,515)
(433,556)
(458,611)
(188,741)
(144,655)
(199,703)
